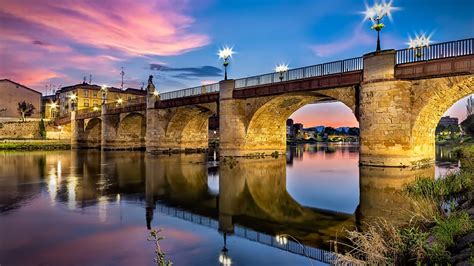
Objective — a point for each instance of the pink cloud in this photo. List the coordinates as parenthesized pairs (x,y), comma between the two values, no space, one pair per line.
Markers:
(138,28)
(359,37)
(44,42)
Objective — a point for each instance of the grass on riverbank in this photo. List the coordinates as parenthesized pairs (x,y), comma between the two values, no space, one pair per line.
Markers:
(437,221)
(34,145)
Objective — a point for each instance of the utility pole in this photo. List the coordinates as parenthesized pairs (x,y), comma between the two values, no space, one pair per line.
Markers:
(90,79)
(122,74)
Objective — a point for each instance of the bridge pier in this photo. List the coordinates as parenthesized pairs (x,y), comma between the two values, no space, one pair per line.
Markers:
(385,117)
(77,131)
(109,136)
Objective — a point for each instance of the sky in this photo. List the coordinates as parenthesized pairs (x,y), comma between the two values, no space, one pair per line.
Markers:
(46,44)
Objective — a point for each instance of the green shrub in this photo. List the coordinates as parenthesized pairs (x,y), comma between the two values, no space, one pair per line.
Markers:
(42,129)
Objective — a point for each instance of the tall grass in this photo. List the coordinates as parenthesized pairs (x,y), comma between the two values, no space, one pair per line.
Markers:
(429,233)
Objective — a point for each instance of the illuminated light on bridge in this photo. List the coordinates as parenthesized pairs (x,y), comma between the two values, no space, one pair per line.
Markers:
(73,97)
(119,101)
(281,69)
(376,13)
(225,54)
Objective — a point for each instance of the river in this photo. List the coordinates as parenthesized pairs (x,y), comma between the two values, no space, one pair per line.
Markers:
(92,208)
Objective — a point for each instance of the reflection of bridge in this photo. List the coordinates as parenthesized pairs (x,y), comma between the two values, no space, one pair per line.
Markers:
(249,234)
(397,96)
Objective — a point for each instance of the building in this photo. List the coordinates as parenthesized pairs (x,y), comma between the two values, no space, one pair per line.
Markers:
(11,94)
(289,127)
(447,121)
(88,96)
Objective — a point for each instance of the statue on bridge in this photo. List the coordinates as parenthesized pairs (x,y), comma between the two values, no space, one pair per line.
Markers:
(150,87)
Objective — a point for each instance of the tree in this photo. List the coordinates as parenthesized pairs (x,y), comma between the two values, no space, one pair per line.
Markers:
(25,109)
(468,125)
(330,131)
(42,129)
(470,106)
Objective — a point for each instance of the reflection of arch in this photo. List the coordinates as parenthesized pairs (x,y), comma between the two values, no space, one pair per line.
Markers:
(266,128)
(433,97)
(132,129)
(93,132)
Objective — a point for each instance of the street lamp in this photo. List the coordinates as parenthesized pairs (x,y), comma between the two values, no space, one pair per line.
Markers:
(418,43)
(60,130)
(104,91)
(281,69)
(376,13)
(73,100)
(156,93)
(119,101)
(224,257)
(53,108)
(225,54)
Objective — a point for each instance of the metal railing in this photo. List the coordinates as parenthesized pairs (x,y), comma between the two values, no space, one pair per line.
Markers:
(95,109)
(252,235)
(190,91)
(126,103)
(403,56)
(330,68)
(436,51)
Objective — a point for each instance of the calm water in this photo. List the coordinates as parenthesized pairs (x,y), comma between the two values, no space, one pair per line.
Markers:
(92,208)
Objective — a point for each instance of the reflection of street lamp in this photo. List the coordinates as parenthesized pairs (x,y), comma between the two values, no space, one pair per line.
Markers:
(224,258)
(281,69)
(376,13)
(283,240)
(418,43)
(225,54)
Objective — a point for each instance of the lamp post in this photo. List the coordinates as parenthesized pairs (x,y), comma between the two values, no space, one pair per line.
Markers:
(281,69)
(418,43)
(104,91)
(375,14)
(60,130)
(119,101)
(73,101)
(53,108)
(283,240)
(225,54)
(224,257)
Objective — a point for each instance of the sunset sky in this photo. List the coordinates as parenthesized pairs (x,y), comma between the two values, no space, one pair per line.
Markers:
(45,44)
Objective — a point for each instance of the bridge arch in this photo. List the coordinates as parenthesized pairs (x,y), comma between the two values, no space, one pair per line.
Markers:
(131,130)
(179,128)
(266,126)
(433,97)
(93,132)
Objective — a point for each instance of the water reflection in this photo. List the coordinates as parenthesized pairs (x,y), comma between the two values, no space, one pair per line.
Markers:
(314,193)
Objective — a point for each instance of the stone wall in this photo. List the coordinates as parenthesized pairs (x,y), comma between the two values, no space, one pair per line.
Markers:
(12,93)
(19,130)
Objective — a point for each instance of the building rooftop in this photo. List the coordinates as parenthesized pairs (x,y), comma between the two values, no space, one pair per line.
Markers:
(18,84)
(97,87)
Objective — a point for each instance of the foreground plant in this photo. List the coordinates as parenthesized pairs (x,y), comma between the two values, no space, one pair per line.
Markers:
(160,255)
(434,224)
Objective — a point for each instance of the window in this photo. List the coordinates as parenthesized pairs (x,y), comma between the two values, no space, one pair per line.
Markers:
(129,97)
(94,103)
(86,93)
(86,102)
(95,94)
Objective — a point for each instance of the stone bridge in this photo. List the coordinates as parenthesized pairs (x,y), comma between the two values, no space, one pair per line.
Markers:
(398,97)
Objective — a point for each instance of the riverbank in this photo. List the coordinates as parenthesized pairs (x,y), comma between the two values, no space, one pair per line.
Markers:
(34,144)
(439,228)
